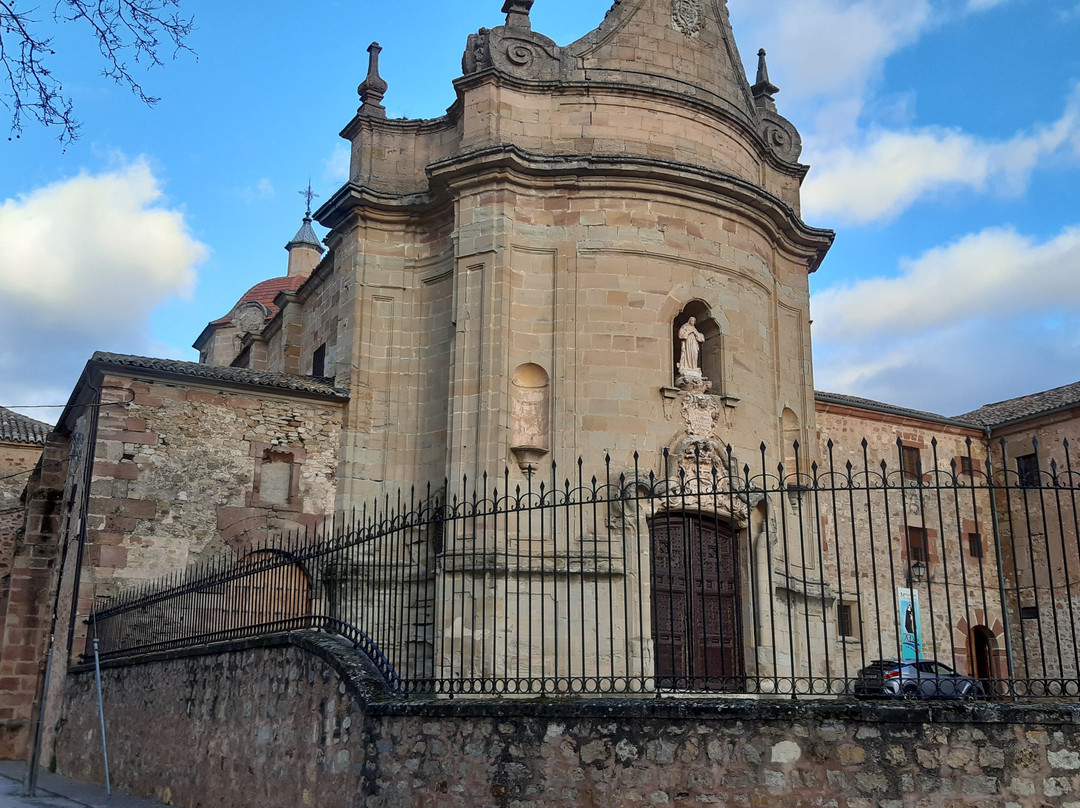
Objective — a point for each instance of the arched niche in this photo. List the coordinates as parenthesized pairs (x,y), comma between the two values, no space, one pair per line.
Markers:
(712,355)
(530,415)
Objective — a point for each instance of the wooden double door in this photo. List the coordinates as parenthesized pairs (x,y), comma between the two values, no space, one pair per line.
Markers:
(695,603)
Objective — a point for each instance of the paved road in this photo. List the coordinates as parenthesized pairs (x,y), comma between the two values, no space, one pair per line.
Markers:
(59,792)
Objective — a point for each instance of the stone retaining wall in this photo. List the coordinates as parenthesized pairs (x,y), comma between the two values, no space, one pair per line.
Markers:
(297,721)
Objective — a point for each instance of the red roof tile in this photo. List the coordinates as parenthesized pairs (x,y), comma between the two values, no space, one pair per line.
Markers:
(265,293)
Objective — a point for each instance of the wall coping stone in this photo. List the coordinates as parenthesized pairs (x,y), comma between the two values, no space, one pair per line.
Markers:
(355,668)
(368,685)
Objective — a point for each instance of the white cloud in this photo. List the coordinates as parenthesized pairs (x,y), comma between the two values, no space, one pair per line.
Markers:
(262,190)
(994,310)
(84,263)
(883,173)
(337,164)
(827,54)
(984,5)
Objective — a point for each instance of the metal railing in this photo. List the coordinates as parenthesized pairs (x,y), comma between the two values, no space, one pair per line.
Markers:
(707,574)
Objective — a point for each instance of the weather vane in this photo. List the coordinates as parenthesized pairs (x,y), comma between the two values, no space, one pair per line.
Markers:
(308,194)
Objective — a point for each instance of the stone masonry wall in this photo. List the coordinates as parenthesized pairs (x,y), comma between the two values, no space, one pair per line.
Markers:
(180,474)
(296,722)
(1039,531)
(16,462)
(28,600)
(868,550)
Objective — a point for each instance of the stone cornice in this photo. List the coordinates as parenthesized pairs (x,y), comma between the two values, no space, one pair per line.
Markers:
(746,127)
(461,170)
(669,175)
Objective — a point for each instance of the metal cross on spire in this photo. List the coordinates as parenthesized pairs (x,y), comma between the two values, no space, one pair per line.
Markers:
(308,194)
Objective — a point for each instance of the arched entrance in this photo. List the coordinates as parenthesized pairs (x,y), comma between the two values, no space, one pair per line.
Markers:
(980,656)
(272,593)
(695,602)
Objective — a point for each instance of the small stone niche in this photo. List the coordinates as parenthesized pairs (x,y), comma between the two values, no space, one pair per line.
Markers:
(530,416)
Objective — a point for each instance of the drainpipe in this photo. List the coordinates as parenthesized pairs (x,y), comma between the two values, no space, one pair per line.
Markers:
(1007,628)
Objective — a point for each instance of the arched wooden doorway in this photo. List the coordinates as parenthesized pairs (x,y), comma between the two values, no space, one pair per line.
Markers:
(272,593)
(980,656)
(695,602)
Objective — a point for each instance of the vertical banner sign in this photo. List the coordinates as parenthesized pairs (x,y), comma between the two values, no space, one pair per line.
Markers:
(910,642)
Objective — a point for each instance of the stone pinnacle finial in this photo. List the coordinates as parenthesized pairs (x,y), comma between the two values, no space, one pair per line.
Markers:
(373,88)
(517,13)
(764,89)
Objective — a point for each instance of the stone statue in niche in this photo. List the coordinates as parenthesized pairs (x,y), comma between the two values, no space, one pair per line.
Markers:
(690,359)
(690,376)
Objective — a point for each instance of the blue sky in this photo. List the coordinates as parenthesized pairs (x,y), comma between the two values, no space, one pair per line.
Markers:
(943,135)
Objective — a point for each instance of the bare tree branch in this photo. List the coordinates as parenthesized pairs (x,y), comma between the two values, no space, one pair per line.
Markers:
(124,29)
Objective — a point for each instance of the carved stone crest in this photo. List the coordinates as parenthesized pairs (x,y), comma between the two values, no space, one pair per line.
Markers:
(700,413)
(687,16)
(249,318)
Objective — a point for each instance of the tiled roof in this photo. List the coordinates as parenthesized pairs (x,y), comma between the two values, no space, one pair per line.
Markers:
(891,409)
(1015,409)
(20,429)
(265,293)
(244,376)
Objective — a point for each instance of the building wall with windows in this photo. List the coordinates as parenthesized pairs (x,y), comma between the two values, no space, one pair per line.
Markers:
(919,519)
(1034,440)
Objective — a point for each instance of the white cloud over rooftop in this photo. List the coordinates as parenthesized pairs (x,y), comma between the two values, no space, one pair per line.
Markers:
(85,262)
(881,174)
(987,312)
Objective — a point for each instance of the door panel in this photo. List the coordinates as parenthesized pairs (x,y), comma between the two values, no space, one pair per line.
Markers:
(695,603)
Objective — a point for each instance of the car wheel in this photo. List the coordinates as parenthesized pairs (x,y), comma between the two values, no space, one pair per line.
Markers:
(910,690)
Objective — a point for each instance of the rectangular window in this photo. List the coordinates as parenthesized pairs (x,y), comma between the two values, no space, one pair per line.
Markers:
(1027,469)
(916,546)
(846,616)
(318,361)
(911,462)
(967,465)
(1029,612)
(975,545)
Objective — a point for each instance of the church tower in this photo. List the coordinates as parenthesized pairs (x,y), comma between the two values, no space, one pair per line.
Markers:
(598,250)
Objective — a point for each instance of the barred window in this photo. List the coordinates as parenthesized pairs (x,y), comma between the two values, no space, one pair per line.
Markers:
(910,462)
(916,545)
(1027,467)
(846,614)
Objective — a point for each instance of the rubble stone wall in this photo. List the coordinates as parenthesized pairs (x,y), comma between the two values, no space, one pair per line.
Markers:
(199,730)
(180,474)
(16,462)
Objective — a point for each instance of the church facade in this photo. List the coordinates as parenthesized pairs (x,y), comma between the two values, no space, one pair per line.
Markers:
(598,252)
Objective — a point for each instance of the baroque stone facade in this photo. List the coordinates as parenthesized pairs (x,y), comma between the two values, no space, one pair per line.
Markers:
(597,251)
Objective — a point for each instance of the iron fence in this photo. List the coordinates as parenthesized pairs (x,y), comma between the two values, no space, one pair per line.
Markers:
(710,573)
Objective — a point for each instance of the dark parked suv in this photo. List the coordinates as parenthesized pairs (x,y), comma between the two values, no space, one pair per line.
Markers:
(921,679)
